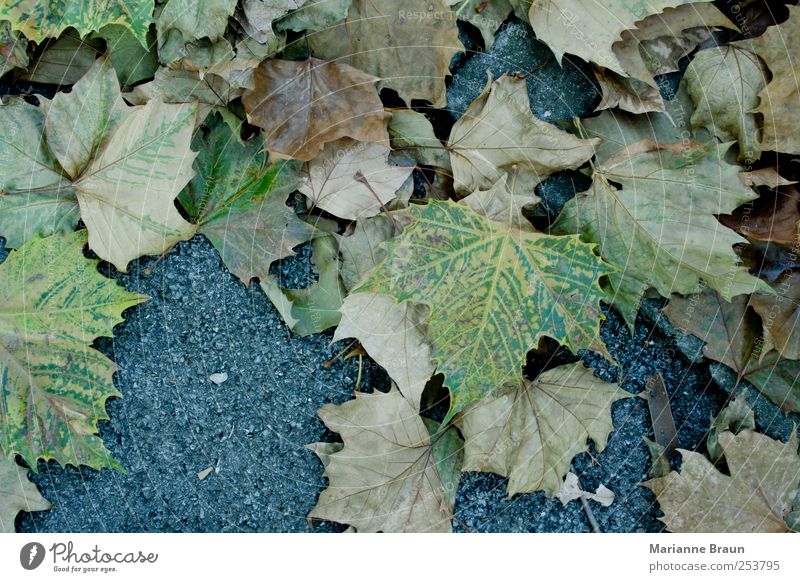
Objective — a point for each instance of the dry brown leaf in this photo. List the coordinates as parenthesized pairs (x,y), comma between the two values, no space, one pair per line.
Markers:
(409,45)
(330,179)
(392,335)
(627,94)
(530,434)
(303,105)
(772,217)
(388,476)
(498,135)
(756,497)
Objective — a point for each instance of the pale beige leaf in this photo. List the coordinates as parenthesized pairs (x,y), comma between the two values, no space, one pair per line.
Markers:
(628,94)
(589,28)
(530,434)
(571,490)
(392,335)
(498,204)
(78,121)
(330,183)
(499,135)
(303,105)
(756,497)
(386,477)
(127,193)
(361,250)
(17,494)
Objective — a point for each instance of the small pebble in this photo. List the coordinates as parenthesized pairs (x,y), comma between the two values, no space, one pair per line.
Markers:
(218,378)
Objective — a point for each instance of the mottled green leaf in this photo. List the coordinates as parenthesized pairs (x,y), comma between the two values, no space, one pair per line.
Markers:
(493,291)
(39,19)
(53,304)
(659,225)
(17,494)
(13,49)
(238,201)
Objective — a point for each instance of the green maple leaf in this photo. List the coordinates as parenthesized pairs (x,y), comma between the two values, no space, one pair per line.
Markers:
(53,304)
(493,291)
(38,20)
(660,225)
(238,201)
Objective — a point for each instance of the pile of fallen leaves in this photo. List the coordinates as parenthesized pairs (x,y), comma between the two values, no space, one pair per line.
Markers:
(260,124)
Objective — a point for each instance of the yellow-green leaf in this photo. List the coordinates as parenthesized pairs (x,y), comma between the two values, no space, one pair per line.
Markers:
(39,19)
(493,291)
(53,304)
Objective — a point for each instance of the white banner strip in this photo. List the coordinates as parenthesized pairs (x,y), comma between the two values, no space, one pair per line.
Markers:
(352,558)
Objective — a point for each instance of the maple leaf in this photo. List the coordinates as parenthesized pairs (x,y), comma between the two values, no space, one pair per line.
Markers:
(757,496)
(493,291)
(361,250)
(314,16)
(498,135)
(412,134)
(487,17)
(17,494)
(53,304)
(257,16)
(497,203)
(39,19)
(780,315)
(182,21)
(778,48)
(735,417)
(772,217)
(658,42)
(390,476)
(724,83)
(530,433)
(124,166)
(408,49)
(303,105)
(330,180)
(659,224)
(733,336)
(13,49)
(314,308)
(589,29)
(238,201)
(392,335)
